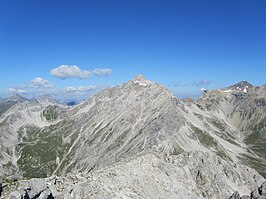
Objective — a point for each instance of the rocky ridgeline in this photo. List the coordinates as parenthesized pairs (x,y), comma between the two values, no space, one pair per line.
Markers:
(259,193)
(135,140)
(188,175)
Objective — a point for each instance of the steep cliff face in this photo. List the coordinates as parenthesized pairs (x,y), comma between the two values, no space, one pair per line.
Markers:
(127,123)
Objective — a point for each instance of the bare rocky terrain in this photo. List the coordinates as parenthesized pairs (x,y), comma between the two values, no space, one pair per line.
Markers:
(135,140)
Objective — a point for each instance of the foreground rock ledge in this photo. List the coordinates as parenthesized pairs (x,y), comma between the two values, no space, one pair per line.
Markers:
(192,175)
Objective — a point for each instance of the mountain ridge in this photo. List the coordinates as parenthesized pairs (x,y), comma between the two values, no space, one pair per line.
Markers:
(124,122)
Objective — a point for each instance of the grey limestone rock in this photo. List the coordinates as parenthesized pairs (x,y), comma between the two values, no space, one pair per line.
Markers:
(137,140)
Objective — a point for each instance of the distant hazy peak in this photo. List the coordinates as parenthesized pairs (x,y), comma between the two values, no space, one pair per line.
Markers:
(46,96)
(43,98)
(48,99)
(17,98)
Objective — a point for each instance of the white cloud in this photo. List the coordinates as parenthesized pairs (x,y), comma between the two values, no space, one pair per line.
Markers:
(65,71)
(39,82)
(102,71)
(21,91)
(81,90)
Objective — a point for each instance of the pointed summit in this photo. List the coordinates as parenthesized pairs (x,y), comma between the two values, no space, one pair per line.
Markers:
(138,77)
(244,83)
(243,86)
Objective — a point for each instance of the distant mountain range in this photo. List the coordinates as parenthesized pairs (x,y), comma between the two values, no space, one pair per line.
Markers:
(136,140)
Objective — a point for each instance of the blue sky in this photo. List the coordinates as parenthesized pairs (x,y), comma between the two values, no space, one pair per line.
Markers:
(184,45)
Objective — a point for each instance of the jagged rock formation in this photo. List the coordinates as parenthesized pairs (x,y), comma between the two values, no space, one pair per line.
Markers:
(259,193)
(188,175)
(125,124)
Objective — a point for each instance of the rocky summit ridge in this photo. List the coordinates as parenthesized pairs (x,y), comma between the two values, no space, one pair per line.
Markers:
(135,140)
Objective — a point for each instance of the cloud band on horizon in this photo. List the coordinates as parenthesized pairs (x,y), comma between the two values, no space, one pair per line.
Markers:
(198,83)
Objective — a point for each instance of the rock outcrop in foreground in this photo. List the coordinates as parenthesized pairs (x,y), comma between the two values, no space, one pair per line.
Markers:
(188,175)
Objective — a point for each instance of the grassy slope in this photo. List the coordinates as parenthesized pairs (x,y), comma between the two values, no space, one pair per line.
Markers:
(41,147)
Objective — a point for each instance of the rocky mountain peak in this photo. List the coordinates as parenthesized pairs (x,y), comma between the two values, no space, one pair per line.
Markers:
(17,98)
(138,77)
(140,81)
(242,86)
(138,126)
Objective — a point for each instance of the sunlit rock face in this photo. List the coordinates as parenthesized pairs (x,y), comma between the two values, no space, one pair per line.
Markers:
(136,140)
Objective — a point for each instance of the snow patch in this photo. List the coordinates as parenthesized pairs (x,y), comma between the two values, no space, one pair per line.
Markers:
(143,83)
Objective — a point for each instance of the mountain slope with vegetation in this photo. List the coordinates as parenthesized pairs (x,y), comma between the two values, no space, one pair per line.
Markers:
(130,121)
